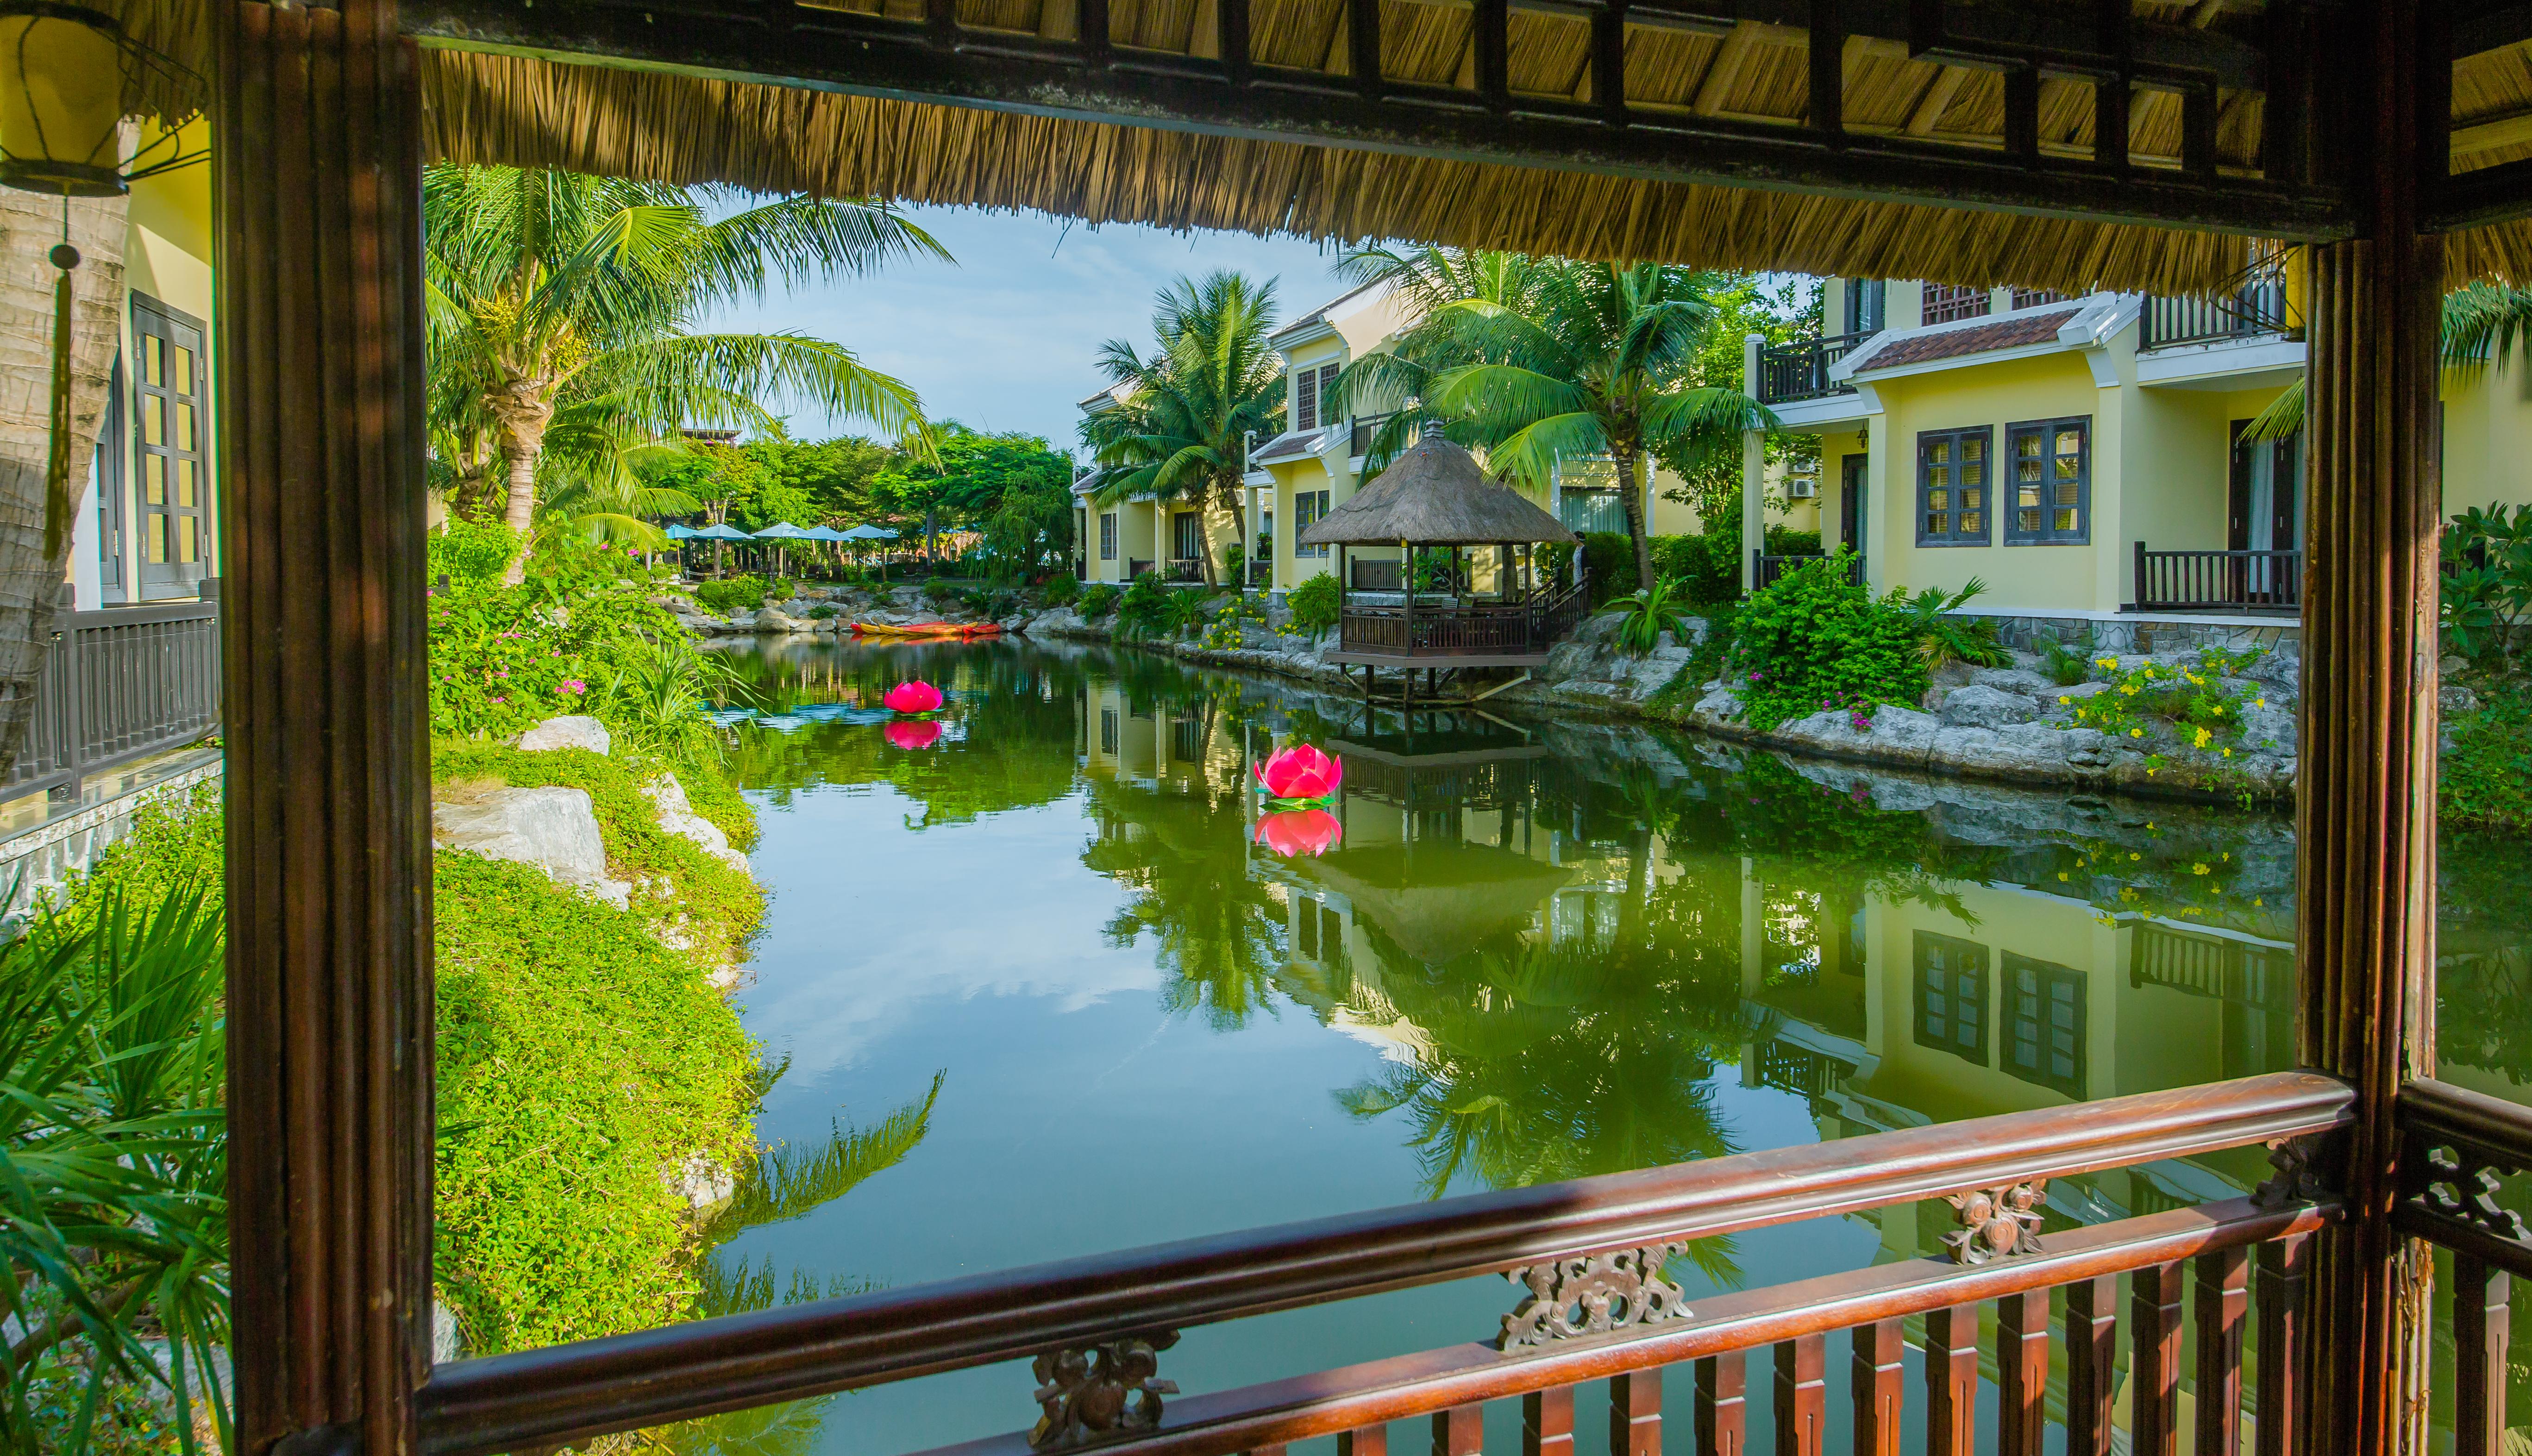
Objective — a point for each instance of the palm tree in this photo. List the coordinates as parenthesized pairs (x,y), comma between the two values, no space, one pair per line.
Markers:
(549,291)
(1180,431)
(2483,323)
(1545,359)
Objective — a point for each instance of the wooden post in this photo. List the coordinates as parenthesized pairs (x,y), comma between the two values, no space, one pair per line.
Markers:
(2365,811)
(319,389)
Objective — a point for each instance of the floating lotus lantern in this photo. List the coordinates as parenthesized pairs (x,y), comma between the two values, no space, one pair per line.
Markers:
(920,733)
(1298,777)
(912,697)
(1292,832)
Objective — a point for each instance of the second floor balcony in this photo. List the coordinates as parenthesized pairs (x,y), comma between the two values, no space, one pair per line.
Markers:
(2257,311)
(1799,370)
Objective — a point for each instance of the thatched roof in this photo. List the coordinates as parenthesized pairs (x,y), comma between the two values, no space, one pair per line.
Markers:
(1434,493)
(521,111)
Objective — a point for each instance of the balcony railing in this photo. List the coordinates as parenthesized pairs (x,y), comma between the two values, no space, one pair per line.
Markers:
(1098,1326)
(1765,570)
(2217,581)
(1799,370)
(1185,569)
(1366,428)
(1135,565)
(1261,573)
(117,686)
(2458,1149)
(2260,309)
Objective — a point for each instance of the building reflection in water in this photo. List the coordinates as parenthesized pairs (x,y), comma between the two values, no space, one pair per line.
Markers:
(1566,958)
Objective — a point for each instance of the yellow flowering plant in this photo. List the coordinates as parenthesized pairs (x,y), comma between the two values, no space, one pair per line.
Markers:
(2200,713)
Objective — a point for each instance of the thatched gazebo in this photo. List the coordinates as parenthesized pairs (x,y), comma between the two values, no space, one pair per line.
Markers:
(1436,494)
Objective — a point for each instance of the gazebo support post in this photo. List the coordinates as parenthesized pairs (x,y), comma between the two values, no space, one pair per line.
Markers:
(326,809)
(2365,803)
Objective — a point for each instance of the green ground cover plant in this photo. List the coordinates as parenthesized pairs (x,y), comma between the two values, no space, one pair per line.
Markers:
(672,878)
(2486,776)
(2140,703)
(1060,590)
(1095,601)
(1224,627)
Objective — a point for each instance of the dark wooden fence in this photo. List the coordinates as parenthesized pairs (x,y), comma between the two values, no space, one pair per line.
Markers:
(1799,370)
(1135,565)
(1185,569)
(1097,1325)
(1473,629)
(2217,581)
(120,684)
(1767,569)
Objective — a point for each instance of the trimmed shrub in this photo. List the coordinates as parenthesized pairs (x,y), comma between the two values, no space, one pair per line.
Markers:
(1095,601)
(1815,641)
(732,593)
(1313,605)
(1059,589)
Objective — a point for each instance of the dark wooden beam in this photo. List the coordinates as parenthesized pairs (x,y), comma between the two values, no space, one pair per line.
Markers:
(873,55)
(327,803)
(2365,798)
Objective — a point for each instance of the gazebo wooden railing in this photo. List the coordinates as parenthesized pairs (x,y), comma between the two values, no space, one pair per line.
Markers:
(1463,630)
(1588,1255)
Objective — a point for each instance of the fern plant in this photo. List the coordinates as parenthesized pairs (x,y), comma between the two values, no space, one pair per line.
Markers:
(1944,637)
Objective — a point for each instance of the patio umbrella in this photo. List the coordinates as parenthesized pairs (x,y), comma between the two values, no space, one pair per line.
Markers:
(718,531)
(871,534)
(679,530)
(780,532)
(821,534)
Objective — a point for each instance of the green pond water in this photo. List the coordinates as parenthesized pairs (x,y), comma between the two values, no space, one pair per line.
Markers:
(1539,950)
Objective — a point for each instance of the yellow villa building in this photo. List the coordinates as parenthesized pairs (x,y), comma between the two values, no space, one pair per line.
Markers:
(1320,460)
(2085,456)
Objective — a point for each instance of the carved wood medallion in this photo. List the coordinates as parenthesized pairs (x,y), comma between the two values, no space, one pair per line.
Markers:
(1592,1295)
(1091,1394)
(1996,1222)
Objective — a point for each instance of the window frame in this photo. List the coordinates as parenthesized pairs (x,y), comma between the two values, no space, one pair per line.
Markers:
(1920,963)
(1955,536)
(1308,508)
(2045,976)
(2048,430)
(1108,535)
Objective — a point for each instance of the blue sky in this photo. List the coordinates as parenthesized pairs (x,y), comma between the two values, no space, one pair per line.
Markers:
(1003,339)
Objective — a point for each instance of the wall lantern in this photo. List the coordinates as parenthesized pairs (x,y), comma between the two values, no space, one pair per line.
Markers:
(68,76)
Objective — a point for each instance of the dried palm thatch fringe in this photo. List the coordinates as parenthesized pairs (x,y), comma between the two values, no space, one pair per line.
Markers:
(1436,494)
(525,112)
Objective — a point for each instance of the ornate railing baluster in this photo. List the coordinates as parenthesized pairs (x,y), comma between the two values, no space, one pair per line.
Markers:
(1722,1420)
(1368,1440)
(2281,1294)
(1634,1413)
(2482,1326)
(1460,1430)
(2091,1364)
(1952,1381)
(2154,1366)
(2021,1372)
(1801,1395)
(1879,1373)
(1547,1422)
(2223,1305)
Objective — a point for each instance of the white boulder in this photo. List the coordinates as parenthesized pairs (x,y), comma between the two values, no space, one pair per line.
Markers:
(554,829)
(571,730)
(678,817)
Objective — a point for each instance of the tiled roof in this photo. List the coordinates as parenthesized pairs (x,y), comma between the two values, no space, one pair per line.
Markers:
(1290,446)
(2004,334)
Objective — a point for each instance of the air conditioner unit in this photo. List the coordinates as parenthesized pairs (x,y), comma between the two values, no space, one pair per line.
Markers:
(1802,488)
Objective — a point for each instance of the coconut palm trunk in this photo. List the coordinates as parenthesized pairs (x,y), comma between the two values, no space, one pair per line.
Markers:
(1631,497)
(31,574)
(523,438)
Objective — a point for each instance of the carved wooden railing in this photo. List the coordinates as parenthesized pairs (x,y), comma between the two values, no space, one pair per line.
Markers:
(1594,1304)
(2458,1148)
(1463,630)
(1769,569)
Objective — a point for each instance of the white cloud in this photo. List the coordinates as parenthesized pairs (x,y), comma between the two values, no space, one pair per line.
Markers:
(1004,339)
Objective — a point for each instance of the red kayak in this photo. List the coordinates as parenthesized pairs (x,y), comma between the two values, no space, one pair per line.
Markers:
(928,629)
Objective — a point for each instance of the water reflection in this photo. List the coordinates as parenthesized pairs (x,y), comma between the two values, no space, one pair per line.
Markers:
(1516,951)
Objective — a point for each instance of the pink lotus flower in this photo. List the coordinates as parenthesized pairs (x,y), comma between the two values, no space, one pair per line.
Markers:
(1300,772)
(917,735)
(1299,831)
(916,697)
